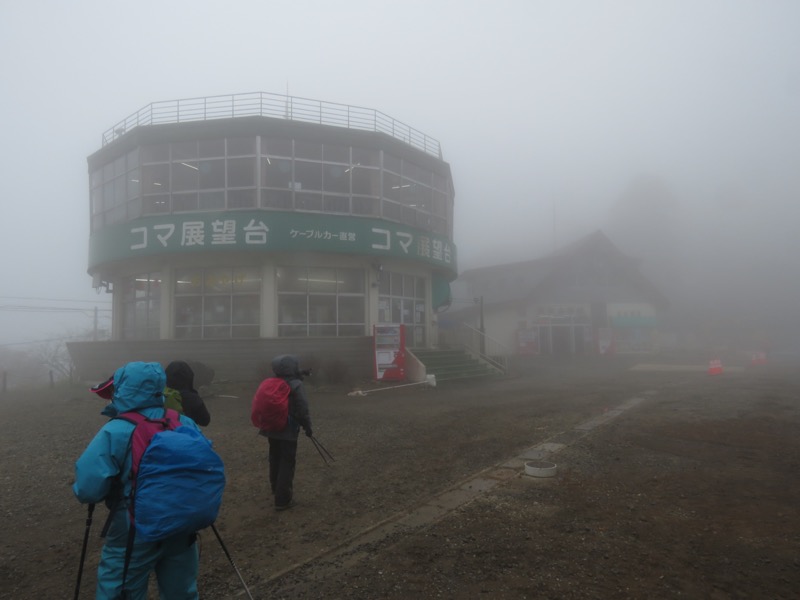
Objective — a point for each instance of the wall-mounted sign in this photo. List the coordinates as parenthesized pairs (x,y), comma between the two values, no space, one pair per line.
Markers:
(266,231)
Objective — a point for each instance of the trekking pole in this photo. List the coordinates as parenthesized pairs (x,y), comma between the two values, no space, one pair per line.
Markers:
(320,448)
(233,564)
(83,550)
(313,441)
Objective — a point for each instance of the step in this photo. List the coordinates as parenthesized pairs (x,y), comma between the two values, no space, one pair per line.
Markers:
(466,377)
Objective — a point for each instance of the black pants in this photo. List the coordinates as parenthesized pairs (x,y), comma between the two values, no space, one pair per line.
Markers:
(282,458)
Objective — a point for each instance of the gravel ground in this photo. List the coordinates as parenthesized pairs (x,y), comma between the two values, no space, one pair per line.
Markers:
(692,493)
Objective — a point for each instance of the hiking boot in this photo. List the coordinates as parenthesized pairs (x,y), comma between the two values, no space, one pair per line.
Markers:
(288,505)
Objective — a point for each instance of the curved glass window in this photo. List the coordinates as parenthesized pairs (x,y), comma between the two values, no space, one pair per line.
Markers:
(242,146)
(217,303)
(211,174)
(212,200)
(211,148)
(307,175)
(185,176)
(366,157)
(336,178)
(241,199)
(307,150)
(185,202)
(141,301)
(155,179)
(184,150)
(336,204)
(335,153)
(366,182)
(273,173)
(276,199)
(276,146)
(308,201)
(276,173)
(322,301)
(369,207)
(402,300)
(241,172)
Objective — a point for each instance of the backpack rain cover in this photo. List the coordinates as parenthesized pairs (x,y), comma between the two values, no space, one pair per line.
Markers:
(270,409)
(178,478)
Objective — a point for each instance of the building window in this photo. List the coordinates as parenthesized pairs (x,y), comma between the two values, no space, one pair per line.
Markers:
(245,173)
(402,300)
(320,302)
(217,303)
(141,300)
(112,186)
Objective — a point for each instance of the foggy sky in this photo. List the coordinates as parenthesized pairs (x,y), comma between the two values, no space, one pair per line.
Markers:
(545,111)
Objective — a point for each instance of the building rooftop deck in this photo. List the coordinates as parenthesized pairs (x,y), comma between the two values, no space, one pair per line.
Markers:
(279,106)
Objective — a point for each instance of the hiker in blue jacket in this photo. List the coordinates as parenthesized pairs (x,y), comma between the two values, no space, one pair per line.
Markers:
(283,444)
(137,386)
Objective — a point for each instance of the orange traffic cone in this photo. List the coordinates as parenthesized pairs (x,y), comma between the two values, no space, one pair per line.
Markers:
(715,367)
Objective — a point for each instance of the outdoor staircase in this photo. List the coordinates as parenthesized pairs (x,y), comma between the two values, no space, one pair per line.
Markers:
(453,365)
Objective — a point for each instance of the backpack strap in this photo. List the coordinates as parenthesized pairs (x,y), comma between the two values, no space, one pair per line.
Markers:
(139,443)
(136,446)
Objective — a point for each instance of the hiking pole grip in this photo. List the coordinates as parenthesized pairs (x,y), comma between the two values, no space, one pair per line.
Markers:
(83,549)
(230,559)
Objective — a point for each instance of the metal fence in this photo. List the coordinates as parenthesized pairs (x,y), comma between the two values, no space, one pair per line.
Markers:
(278,106)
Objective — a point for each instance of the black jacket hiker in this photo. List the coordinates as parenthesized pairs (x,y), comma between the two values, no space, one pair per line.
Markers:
(283,444)
(180,377)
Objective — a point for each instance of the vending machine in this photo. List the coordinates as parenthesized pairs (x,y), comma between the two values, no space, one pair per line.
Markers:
(390,352)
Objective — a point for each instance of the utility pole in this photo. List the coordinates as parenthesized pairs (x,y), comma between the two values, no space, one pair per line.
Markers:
(481,327)
(94,335)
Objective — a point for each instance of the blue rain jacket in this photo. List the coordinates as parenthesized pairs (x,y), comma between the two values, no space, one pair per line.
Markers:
(137,386)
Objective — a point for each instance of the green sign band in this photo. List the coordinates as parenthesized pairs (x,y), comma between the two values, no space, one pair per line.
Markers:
(262,231)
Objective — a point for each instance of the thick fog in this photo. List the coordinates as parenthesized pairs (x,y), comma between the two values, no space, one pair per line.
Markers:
(673,126)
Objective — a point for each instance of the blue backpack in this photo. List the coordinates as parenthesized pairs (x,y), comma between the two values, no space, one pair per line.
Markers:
(177,479)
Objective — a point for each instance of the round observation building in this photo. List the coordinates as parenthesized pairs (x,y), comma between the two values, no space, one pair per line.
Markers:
(261,222)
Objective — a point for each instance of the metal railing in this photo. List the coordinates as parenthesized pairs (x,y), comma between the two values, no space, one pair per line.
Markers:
(278,106)
(482,347)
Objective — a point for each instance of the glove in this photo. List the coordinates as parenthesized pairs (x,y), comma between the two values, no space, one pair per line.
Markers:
(309,432)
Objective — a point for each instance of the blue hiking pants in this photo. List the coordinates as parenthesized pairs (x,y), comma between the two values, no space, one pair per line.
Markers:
(174,561)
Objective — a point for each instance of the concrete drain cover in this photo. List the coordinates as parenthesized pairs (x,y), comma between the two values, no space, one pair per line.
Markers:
(540,468)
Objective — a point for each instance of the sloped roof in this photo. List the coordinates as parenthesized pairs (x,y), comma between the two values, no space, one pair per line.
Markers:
(520,281)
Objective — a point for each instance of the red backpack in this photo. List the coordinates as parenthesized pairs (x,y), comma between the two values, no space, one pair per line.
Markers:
(270,409)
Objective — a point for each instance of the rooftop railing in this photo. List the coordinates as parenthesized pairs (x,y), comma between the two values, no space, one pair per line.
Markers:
(278,106)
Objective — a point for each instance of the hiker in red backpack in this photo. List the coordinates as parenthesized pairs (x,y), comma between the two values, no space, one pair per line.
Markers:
(279,410)
(101,474)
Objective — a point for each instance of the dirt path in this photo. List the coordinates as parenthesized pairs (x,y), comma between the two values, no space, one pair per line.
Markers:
(690,493)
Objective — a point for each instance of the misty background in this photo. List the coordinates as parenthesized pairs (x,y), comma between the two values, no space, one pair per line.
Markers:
(672,125)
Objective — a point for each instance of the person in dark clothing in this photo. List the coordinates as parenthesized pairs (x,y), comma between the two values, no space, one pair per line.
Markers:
(180,377)
(283,444)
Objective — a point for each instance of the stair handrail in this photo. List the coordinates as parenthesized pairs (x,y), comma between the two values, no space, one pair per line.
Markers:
(485,348)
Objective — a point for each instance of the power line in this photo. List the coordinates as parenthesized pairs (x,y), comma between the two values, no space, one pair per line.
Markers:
(61,339)
(54,299)
(29,308)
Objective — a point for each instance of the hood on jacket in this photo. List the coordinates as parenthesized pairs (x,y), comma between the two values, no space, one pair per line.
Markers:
(286,365)
(138,385)
(180,375)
